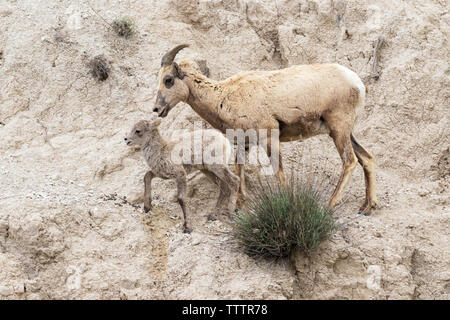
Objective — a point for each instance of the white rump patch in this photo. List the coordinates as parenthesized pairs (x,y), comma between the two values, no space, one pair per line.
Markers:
(354,80)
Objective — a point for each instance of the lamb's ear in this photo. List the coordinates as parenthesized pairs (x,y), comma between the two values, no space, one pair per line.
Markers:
(178,72)
(153,115)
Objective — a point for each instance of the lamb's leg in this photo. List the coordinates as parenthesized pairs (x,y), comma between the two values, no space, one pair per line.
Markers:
(229,185)
(366,160)
(217,182)
(182,196)
(227,197)
(148,191)
(224,196)
(345,149)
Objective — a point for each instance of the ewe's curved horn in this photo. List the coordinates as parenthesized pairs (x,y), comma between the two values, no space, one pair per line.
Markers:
(168,58)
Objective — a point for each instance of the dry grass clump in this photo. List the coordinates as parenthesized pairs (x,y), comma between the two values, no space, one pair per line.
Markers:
(124,27)
(279,219)
(99,68)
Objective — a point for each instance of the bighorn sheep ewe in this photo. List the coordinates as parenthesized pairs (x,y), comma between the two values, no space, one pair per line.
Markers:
(301,101)
(160,155)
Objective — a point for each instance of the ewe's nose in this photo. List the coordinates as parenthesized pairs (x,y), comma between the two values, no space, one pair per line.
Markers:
(155,110)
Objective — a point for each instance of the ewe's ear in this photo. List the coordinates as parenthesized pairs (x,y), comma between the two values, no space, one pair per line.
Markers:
(177,71)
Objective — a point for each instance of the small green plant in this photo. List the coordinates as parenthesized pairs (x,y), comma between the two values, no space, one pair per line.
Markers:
(279,219)
(124,27)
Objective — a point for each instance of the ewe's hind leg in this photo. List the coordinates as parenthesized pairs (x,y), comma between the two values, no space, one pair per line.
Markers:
(366,160)
(182,192)
(344,147)
(148,191)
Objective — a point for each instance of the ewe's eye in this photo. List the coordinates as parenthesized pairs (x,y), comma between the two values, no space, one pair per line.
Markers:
(168,82)
(138,131)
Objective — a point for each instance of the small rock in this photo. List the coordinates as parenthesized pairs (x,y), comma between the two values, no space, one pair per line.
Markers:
(34,296)
(445,276)
(123,296)
(5,12)
(6,291)
(19,288)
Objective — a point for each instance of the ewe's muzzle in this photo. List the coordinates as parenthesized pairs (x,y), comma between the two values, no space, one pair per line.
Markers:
(162,108)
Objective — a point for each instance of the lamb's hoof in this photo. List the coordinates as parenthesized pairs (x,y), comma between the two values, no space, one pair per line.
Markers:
(211,218)
(187,230)
(147,209)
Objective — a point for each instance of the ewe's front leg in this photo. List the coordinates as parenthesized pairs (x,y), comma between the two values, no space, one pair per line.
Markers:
(182,196)
(242,192)
(274,153)
(148,191)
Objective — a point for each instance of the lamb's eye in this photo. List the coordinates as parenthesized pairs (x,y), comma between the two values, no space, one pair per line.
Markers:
(168,82)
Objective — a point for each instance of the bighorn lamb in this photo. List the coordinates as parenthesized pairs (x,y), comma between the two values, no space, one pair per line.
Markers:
(161,155)
(301,101)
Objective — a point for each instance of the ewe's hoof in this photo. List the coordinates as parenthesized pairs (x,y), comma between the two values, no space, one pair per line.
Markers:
(147,209)
(367,207)
(211,218)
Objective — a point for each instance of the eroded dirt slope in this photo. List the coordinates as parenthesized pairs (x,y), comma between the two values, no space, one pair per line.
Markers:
(71,224)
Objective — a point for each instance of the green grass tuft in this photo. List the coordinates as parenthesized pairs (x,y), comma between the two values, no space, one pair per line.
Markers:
(279,219)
